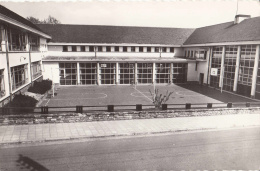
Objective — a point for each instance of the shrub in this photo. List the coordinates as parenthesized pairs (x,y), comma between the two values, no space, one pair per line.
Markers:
(41,87)
(158,100)
(21,101)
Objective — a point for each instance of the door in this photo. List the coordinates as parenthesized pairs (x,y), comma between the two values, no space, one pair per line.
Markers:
(201,78)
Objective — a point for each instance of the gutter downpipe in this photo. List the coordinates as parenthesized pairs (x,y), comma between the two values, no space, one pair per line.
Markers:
(8,66)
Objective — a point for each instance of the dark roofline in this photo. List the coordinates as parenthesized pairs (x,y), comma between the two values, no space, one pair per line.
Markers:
(120,26)
(14,16)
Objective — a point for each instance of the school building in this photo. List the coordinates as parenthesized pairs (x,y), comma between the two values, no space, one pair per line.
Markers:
(224,56)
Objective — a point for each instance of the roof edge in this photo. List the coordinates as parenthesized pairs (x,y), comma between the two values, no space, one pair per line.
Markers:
(21,25)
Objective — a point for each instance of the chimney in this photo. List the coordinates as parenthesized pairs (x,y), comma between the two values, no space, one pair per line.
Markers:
(241,17)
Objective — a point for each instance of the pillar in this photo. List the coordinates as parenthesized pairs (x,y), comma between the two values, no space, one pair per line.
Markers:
(237,68)
(209,64)
(117,73)
(254,77)
(222,67)
(78,74)
(98,79)
(136,73)
(153,73)
(171,73)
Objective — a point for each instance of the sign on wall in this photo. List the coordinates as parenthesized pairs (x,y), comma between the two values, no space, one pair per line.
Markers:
(103,65)
(214,71)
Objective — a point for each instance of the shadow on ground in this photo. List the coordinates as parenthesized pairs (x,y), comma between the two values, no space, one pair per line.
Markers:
(224,97)
(28,163)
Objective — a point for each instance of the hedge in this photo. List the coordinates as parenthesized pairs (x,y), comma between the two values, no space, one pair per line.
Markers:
(41,87)
(21,101)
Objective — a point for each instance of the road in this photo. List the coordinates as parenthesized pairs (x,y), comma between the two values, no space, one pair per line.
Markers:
(237,149)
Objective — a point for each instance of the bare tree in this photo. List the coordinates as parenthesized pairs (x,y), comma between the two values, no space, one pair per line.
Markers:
(49,20)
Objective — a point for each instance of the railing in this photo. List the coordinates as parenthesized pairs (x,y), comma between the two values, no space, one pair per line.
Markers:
(121,108)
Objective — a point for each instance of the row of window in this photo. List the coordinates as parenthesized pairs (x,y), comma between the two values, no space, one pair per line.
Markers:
(17,40)
(19,74)
(116,49)
(126,73)
(245,72)
(195,54)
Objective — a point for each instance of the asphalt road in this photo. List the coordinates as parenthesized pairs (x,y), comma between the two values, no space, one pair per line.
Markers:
(227,149)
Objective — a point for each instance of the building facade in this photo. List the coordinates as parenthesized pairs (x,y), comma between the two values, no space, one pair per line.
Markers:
(23,46)
(223,56)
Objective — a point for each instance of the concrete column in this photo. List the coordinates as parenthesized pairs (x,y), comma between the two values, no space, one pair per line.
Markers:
(209,61)
(237,68)
(136,73)
(98,79)
(117,73)
(254,77)
(145,49)
(153,73)
(120,49)
(112,48)
(27,42)
(78,74)
(171,73)
(137,49)
(152,49)
(222,67)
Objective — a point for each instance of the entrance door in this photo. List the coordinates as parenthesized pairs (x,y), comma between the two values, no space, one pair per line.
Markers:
(201,78)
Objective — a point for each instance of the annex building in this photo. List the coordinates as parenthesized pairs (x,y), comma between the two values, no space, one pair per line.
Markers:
(224,56)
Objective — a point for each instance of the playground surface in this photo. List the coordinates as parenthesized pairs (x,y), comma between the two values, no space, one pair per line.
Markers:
(131,95)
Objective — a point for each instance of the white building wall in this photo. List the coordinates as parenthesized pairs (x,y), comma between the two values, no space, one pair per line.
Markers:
(51,71)
(202,68)
(192,74)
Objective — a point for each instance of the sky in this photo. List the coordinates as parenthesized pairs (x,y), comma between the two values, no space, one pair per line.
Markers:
(150,13)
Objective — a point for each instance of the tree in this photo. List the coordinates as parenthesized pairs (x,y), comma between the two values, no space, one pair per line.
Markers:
(49,20)
(159,99)
(34,20)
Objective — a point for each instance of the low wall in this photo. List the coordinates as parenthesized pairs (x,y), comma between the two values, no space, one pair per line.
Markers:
(107,116)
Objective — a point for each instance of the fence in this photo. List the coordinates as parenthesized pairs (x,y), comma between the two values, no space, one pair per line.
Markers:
(121,108)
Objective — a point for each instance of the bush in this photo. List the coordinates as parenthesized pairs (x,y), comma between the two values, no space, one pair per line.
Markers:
(21,101)
(41,87)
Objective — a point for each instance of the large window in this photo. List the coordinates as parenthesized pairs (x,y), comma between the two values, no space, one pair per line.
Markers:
(216,63)
(162,72)
(144,73)
(246,68)
(65,48)
(88,73)
(36,69)
(19,76)
(74,48)
(16,40)
(107,73)
(126,73)
(34,43)
(68,73)
(2,83)
(82,48)
(179,74)
(229,67)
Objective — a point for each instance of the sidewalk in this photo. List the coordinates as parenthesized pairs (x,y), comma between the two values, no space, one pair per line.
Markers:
(66,131)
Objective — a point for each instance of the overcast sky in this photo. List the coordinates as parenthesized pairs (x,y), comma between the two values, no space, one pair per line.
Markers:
(170,13)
